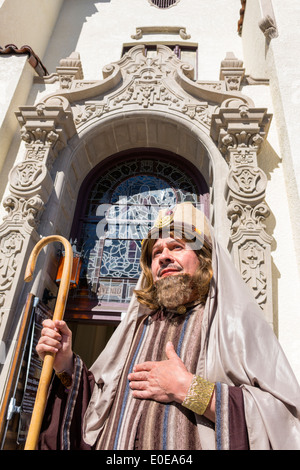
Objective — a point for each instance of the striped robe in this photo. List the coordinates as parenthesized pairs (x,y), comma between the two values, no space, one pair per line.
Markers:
(144,424)
(147,424)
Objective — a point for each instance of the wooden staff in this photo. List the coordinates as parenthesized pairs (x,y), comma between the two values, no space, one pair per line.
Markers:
(47,369)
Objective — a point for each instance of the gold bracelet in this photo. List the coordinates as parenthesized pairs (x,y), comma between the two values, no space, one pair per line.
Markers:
(199,395)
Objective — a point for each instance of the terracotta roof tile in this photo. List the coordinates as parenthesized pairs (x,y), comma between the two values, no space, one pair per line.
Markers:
(242,13)
(33,59)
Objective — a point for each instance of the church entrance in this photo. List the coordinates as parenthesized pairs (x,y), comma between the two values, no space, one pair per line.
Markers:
(117,205)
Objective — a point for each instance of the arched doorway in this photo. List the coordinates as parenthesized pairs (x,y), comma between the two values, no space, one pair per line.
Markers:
(117,204)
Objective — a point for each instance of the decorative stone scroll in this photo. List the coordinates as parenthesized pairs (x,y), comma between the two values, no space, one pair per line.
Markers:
(147,83)
(160,82)
(239,132)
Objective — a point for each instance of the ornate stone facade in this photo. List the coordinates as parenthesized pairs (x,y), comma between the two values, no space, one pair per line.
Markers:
(147,88)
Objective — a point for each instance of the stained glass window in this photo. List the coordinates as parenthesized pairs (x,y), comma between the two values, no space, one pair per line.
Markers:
(122,206)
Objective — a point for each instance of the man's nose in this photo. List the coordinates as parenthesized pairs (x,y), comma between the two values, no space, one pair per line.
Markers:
(166,255)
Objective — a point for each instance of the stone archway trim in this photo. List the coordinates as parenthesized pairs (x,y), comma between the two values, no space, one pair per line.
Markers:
(226,122)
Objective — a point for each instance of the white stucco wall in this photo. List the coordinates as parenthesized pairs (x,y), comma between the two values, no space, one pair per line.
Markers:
(275,60)
(98,29)
(28,22)
(15,83)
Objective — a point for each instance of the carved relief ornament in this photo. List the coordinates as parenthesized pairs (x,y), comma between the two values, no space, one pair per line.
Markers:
(239,134)
(135,82)
(161,82)
(45,129)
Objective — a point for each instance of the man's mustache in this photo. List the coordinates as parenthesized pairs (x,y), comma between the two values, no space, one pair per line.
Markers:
(169,266)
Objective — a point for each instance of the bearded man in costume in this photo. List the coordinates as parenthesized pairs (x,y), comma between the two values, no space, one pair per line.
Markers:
(193,365)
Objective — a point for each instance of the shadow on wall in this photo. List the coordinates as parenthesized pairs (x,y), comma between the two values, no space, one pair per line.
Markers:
(269,161)
(73,15)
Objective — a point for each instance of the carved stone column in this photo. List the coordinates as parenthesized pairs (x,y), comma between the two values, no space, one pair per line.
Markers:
(239,133)
(45,130)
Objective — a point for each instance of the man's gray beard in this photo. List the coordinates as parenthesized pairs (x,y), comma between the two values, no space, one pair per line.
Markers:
(175,290)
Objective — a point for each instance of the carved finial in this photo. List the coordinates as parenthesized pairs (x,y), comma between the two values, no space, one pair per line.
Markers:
(232,72)
(69,69)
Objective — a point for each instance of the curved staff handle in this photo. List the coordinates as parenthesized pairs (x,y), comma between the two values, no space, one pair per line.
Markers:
(47,369)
